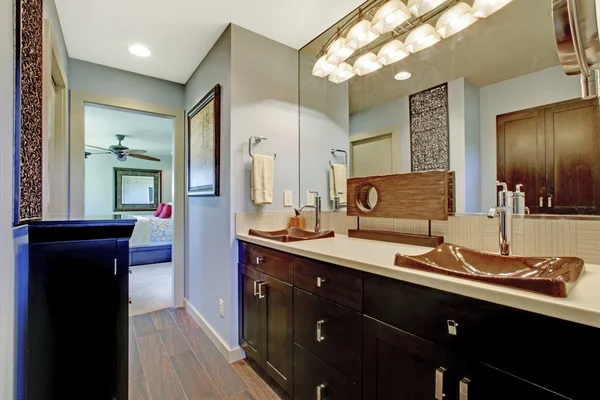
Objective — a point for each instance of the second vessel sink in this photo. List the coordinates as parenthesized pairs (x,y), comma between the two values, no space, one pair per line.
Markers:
(553,276)
(291,234)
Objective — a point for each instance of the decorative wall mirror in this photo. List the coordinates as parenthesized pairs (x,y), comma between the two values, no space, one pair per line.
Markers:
(137,189)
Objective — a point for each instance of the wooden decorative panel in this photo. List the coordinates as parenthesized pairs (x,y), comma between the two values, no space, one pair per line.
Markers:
(417,195)
(429,129)
(28,113)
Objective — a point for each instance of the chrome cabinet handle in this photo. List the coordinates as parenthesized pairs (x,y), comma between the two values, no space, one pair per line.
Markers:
(542,201)
(320,336)
(549,200)
(260,290)
(439,383)
(260,260)
(256,288)
(320,391)
(463,389)
(320,281)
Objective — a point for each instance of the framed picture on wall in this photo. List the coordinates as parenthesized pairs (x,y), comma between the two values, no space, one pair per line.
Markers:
(203,145)
(137,189)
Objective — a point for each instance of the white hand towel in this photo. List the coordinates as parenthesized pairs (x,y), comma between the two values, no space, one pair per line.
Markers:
(337,182)
(261,180)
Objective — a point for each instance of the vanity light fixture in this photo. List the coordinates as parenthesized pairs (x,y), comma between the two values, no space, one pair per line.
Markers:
(402,76)
(485,8)
(392,52)
(366,63)
(455,19)
(422,7)
(390,15)
(361,35)
(421,38)
(342,73)
(322,68)
(339,51)
(139,50)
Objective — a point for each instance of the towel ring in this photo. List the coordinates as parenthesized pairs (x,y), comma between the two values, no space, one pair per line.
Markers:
(333,151)
(257,140)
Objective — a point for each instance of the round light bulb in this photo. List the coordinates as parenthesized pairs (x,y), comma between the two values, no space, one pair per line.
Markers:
(402,76)
(139,50)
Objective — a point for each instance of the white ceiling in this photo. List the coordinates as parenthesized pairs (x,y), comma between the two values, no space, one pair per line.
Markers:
(143,131)
(181,32)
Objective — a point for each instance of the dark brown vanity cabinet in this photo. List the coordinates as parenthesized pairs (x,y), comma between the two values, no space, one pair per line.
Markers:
(267,317)
(344,334)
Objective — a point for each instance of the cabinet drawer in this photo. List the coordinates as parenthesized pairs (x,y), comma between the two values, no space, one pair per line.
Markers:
(338,284)
(314,380)
(271,262)
(491,333)
(329,331)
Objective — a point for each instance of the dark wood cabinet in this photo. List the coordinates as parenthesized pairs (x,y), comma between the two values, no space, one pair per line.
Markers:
(266,323)
(315,380)
(554,151)
(72,306)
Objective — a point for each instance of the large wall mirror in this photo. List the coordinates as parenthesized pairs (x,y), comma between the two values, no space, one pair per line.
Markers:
(472,86)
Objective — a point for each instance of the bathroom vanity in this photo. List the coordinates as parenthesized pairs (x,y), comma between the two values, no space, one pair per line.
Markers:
(72,283)
(335,319)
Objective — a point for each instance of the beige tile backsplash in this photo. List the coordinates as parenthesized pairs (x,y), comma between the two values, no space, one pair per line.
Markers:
(531,237)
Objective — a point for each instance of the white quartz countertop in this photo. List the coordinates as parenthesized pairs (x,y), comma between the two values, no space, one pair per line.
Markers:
(582,305)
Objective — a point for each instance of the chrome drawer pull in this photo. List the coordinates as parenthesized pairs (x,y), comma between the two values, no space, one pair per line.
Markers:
(452,325)
(320,281)
(255,288)
(260,260)
(320,391)
(439,383)
(463,389)
(260,290)
(542,201)
(320,336)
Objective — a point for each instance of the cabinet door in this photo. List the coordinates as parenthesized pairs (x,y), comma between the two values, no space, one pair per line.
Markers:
(398,365)
(277,299)
(488,383)
(573,158)
(250,313)
(521,155)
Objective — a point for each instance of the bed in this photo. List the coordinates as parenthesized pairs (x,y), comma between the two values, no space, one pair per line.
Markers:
(151,241)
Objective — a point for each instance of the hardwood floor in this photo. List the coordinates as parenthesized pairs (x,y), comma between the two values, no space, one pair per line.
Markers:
(171,358)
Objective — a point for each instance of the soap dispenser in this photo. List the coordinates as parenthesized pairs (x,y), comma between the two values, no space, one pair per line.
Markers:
(519,201)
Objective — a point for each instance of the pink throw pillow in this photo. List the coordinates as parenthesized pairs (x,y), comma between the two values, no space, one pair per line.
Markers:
(166,212)
(159,209)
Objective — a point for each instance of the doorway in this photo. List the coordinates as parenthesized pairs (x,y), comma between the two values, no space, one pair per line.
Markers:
(372,156)
(80,101)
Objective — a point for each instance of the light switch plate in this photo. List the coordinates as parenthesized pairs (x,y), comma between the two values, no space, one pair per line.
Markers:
(288,200)
(310,199)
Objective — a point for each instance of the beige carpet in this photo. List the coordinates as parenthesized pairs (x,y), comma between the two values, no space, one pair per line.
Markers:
(150,288)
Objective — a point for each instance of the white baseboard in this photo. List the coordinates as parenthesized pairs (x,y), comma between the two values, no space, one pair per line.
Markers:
(231,355)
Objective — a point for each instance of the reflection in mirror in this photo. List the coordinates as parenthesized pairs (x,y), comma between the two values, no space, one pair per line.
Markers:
(137,189)
(475,87)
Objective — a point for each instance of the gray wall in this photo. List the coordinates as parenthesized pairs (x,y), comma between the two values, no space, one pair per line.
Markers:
(209,220)
(324,124)
(259,97)
(95,78)
(472,149)
(6,191)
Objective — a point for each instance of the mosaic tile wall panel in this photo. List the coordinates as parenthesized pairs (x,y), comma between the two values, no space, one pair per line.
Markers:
(429,129)
(28,101)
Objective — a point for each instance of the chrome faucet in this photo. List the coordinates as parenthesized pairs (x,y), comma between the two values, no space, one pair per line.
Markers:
(317,208)
(337,206)
(504,211)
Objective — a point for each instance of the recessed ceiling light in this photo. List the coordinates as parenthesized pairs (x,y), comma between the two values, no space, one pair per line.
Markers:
(139,50)
(402,76)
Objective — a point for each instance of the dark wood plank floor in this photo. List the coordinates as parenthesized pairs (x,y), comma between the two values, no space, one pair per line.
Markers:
(171,358)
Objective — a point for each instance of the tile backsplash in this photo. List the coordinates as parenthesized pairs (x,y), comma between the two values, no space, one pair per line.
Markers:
(531,237)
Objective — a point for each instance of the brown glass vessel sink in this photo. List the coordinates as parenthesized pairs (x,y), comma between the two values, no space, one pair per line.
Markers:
(291,235)
(552,276)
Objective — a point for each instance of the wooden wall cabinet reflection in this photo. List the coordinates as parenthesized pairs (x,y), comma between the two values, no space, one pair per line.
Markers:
(554,151)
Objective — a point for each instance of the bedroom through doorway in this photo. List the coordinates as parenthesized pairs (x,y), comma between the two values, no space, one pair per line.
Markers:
(129,174)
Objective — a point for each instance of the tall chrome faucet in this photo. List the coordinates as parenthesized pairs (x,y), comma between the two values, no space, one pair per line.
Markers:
(504,211)
(317,208)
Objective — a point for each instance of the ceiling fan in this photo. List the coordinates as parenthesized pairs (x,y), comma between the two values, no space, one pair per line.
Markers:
(121,152)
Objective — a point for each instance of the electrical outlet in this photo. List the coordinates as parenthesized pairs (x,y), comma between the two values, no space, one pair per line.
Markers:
(221,308)
(288,201)
(310,199)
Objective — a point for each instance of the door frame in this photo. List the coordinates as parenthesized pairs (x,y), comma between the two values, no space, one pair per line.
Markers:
(55,204)
(374,136)
(77,169)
